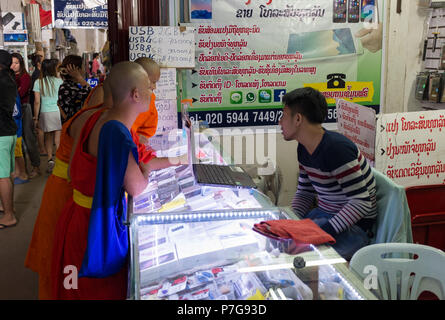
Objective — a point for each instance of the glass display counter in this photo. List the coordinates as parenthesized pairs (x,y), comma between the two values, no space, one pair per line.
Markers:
(189,242)
(215,255)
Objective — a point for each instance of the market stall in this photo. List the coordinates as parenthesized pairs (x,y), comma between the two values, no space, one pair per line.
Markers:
(197,242)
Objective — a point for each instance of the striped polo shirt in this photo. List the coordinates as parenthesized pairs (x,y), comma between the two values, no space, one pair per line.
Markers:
(340,177)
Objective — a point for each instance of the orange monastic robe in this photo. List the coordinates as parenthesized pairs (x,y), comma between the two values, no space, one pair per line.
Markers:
(147,122)
(55,195)
(71,235)
(87,100)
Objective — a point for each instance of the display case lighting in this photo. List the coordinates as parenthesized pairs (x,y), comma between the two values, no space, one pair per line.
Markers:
(202,216)
(354,292)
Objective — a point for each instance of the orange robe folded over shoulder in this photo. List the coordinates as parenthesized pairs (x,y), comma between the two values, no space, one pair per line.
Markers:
(56,194)
(147,122)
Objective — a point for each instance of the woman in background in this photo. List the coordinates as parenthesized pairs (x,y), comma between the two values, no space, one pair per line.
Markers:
(23,81)
(46,94)
(75,89)
(36,60)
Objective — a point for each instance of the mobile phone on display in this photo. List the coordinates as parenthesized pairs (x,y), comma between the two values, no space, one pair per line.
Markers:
(368,11)
(339,11)
(353,11)
(7,18)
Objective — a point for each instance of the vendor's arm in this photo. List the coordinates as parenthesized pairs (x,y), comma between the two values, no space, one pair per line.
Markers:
(305,196)
(358,186)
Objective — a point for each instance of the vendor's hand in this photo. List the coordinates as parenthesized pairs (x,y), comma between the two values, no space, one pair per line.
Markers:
(371,38)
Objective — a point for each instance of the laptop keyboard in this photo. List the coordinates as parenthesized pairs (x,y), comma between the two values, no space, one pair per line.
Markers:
(213,174)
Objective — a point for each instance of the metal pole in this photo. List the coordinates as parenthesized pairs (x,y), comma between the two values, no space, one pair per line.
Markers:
(2,40)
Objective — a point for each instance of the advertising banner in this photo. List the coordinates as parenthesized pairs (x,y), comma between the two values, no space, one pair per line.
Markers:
(74,14)
(250,53)
(14,29)
(410,147)
(358,123)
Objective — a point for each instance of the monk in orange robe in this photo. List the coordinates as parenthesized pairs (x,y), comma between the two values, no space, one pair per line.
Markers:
(95,97)
(57,192)
(105,131)
(147,122)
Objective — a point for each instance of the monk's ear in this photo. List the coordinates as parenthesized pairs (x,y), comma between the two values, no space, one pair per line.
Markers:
(135,95)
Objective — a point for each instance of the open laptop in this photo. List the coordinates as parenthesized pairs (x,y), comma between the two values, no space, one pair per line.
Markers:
(229,176)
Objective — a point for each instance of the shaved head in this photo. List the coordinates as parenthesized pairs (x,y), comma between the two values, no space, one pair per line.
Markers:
(124,78)
(152,68)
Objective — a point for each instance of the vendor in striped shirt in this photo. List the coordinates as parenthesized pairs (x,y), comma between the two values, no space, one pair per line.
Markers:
(332,171)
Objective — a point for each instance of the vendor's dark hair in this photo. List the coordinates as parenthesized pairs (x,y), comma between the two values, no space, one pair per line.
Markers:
(309,102)
(49,69)
(19,57)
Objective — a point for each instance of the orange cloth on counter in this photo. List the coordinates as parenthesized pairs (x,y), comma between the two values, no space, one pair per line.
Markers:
(55,195)
(301,231)
(147,122)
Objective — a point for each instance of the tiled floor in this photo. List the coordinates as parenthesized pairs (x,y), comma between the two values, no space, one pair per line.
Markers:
(16,281)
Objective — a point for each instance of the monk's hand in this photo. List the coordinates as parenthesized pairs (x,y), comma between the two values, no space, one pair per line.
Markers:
(184,159)
(143,139)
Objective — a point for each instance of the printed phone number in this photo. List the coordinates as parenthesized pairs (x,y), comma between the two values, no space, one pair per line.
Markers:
(94,23)
(270,117)
(75,23)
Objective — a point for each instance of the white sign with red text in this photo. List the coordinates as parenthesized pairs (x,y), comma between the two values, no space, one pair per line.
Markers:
(358,123)
(410,147)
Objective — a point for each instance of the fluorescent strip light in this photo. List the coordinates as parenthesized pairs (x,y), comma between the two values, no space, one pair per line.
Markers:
(291,266)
